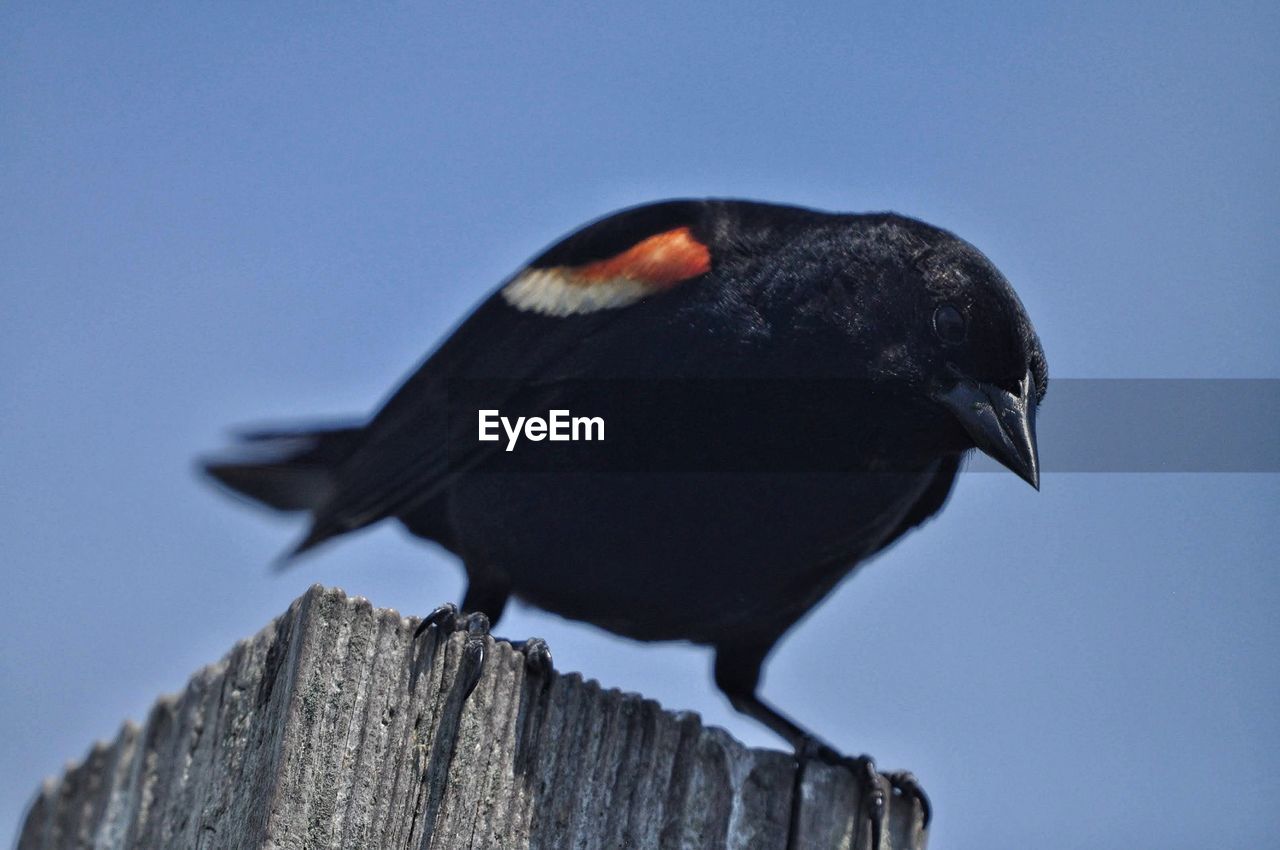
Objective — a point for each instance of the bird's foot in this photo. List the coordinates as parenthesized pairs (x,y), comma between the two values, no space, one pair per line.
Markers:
(447,619)
(903,784)
(864,773)
(537,655)
(443,622)
(874,801)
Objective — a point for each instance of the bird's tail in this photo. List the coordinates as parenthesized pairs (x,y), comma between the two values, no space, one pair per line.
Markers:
(288,470)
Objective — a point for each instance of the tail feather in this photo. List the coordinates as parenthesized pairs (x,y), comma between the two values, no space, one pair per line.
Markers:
(286,470)
(289,470)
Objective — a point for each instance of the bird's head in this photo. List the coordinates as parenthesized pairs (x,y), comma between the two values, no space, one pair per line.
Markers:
(987,366)
(931,313)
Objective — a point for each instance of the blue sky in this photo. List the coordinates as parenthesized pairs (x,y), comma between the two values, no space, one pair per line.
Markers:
(222,214)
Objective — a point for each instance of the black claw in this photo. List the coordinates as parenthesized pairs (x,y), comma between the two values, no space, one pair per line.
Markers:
(438,624)
(473,652)
(445,617)
(537,655)
(905,785)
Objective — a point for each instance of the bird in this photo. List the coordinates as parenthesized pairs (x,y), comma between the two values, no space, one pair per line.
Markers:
(783,394)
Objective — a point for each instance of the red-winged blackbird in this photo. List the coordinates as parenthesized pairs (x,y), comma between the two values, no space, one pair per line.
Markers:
(904,348)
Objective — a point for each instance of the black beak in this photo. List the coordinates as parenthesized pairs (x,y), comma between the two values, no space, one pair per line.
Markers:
(1001,424)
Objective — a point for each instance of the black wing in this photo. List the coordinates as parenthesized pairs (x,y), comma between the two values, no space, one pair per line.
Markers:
(402,460)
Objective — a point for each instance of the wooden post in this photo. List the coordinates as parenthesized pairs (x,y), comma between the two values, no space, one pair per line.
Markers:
(333,728)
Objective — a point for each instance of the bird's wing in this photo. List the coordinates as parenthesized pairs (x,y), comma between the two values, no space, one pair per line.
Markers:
(535,325)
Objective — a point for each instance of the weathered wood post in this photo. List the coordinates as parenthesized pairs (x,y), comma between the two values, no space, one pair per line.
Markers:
(333,728)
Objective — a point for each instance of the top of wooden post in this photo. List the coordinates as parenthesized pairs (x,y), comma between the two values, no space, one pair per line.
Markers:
(332,727)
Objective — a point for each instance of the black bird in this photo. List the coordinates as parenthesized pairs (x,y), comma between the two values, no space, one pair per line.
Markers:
(848,363)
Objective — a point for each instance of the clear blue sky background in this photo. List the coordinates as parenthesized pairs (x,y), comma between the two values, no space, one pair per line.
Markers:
(216,214)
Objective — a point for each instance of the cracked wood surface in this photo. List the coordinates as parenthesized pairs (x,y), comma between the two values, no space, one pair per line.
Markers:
(333,728)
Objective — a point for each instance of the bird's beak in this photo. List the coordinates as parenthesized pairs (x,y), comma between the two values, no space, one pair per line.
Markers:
(1001,424)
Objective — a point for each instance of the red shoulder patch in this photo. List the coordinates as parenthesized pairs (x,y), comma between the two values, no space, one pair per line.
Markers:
(661,260)
(651,265)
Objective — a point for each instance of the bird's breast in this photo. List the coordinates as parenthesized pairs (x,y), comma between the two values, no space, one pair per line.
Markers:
(693,556)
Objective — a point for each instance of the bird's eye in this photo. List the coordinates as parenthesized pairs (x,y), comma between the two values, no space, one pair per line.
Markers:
(949,324)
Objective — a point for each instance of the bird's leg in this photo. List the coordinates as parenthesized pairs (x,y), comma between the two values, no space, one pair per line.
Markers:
(737,674)
(487,593)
